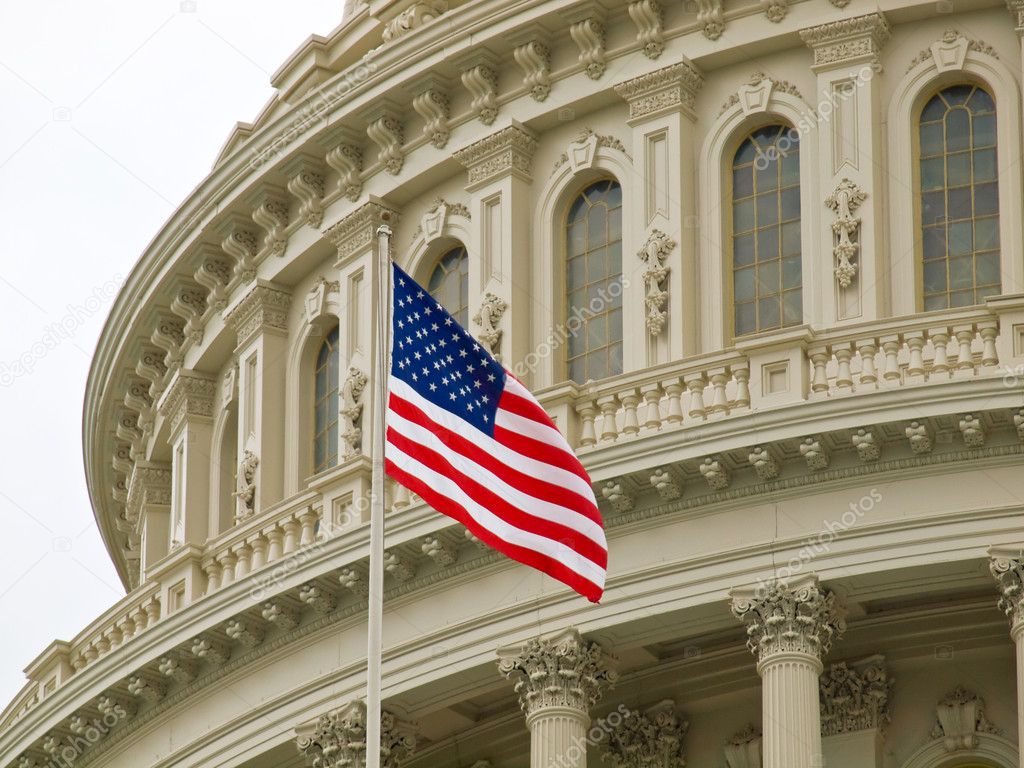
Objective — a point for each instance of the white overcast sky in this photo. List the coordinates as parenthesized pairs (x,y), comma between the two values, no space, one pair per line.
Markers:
(111,111)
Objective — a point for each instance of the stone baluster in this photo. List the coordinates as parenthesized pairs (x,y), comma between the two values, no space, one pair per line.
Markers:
(915,367)
(989,356)
(844,377)
(652,407)
(819,379)
(891,348)
(866,349)
(308,520)
(695,383)
(630,423)
(213,570)
(227,570)
(292,531)
(258,545)
(558,680)
(152,609)
(275,541)
(674,392)
(741,373)
(939,338)
(719,400)
(243,555)
(790,627)
(587,413)
(964,359)
(609,405)
(1007,566)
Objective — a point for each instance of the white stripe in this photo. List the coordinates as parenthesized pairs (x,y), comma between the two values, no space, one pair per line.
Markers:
(526,464)
(500,528)
(525,502)
(548,433)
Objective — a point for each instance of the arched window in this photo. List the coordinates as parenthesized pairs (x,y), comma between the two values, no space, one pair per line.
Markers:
(325,405)
(593,271)
(449,284)
(959,198)
(766,272)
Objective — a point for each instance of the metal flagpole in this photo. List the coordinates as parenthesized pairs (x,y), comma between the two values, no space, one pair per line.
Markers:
(375,608)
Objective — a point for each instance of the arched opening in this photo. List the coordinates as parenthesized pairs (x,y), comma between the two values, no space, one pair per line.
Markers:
(325,403)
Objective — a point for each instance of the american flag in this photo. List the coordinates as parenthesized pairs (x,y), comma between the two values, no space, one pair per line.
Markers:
(471,440)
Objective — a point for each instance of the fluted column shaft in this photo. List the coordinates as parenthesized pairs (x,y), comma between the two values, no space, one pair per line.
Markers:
(790,711)
(558,737)
(1018,640)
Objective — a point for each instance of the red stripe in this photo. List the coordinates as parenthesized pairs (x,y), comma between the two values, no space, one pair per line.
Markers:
(541,451)
(491,501)
(456,511)
(534,486)
(526,408)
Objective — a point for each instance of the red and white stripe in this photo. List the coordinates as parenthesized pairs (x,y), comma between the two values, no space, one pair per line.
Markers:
(523,491)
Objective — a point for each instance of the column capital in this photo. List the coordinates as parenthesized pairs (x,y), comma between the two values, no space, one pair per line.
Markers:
(789,617)
(651,739)
(338,739)
(560,672)
(264,307)
(849,41)
(149,484)
(1016,7)
(506,152)
(855,697)
(358,230)
(664,90)
(1007,566)
(190,396)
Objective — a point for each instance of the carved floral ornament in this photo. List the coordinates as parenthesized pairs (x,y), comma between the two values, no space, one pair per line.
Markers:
(582,150)
(961,717)
(318,296)
(754,95)
(488,317)
(855,697)
(338,740)
(844,202)
(950,52)
(1007,569)
(351,411)
(744,749)
(562,671)
(781,618)
(651,739)
(653,255)
(435,220)
(416,15)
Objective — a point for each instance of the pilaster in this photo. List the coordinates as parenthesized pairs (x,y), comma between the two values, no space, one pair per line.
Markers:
(260,320)
(500,171)
(855,712)
(662,117)
(148,510)
(649,739)
(1007,566)
(851,171)
(558,680)
(790,627)
(338,739)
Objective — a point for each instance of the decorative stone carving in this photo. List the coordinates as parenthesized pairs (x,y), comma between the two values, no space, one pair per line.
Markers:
(345,156)
(245,491)
(434,221)
(169,335)
(263,308)
(715,473)
(848,41)
(189,304)
(950,52)
(510,150)
(441,552)
(306,182)
(181,671)
(318,598)
(666,485)
(867,446)
(351,411)
(783,617)
(1007,568)
(663,90)
(534,58)
(152,368)
(855,697)
(651,739)
(653,255)
(488,317)
(358,229)
(244,631)
(416,15)
(190,396)
(240,243)
(620,498)
(211,650)
(399,566)
(270,212)
(1018,424)
(281,615)
(145,689)
(582,150)
(744,749)
(318,296)
(214,274)
(561,671)
(480,78)
(765,462)
(709,16)
(961,717)
(775,10)
(755,95)
(387,133)
(648,15)
(815,453)
(431,104)
(844,201)
(972,431)
(920,438)
(589,36)
(149,485)
(354,580)
(338,739)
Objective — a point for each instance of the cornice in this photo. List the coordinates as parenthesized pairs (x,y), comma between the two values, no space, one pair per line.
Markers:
(506,152)
(848,41)
(263,308)
(190,395)
(357,230)
(663,90)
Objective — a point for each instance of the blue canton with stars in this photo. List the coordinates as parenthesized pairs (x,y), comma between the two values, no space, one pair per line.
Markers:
(439,358)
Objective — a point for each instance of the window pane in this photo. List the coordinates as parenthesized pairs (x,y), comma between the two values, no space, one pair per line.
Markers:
(932,142)
(986,234)
(449,284)
(743,216)
(743,250)
(767,210)
(596,235)
(325,405)
(792,307)
(985,131)
(986,199)
(984,165)
(958,130)
(744,286)
(958,169)
(746,318)
(743,181)
(986,269)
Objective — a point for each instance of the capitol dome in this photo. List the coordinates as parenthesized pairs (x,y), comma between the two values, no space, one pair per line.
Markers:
(804,217)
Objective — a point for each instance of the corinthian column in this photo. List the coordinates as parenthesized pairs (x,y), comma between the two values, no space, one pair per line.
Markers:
(1007,566)
(338,739)
(558,679)
(790,627)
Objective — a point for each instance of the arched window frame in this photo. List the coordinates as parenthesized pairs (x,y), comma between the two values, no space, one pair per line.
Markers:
(919,84)
(438,264)
(326,369)
(715,248)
